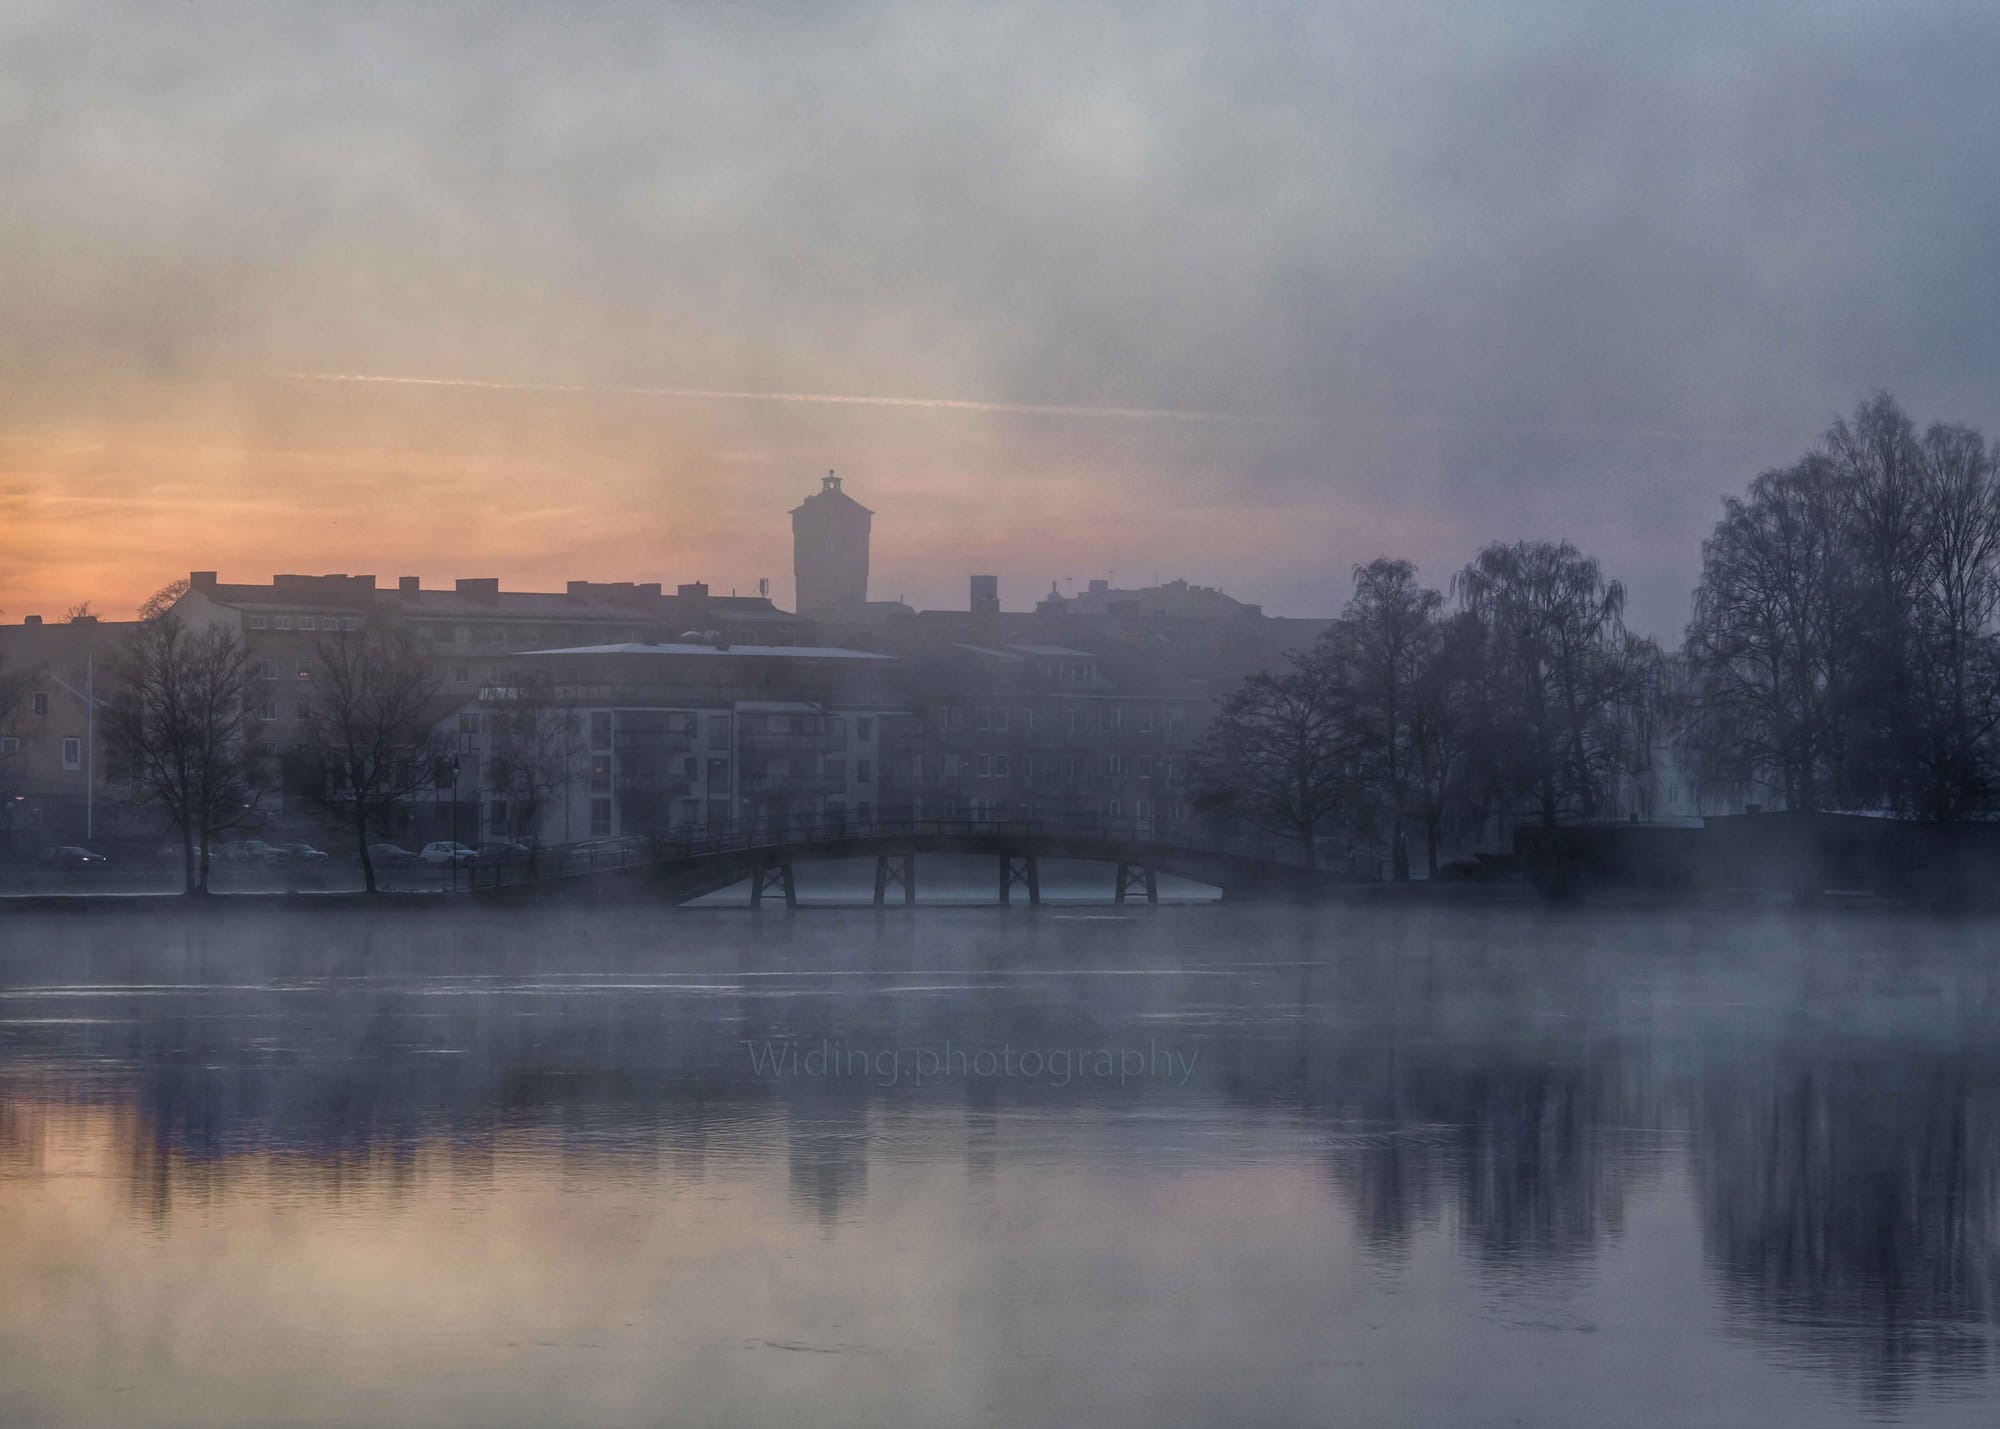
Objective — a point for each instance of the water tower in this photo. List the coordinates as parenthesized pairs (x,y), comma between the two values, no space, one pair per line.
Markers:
(830,550)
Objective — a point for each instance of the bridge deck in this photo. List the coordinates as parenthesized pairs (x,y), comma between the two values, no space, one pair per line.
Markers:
(689,867)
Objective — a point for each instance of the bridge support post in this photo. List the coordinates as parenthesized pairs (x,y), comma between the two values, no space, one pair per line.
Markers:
(773,877)
(1023,870)
(1135,877)
(899,869)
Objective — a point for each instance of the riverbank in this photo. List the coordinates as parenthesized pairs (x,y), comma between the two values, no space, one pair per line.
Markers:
(1415,894)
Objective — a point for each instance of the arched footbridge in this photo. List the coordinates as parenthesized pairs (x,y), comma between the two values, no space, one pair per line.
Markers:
(685,867)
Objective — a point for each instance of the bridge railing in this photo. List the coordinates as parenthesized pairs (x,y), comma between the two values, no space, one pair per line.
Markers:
(551,861)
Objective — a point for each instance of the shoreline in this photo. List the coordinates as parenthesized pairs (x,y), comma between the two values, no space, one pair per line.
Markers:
(1418,893)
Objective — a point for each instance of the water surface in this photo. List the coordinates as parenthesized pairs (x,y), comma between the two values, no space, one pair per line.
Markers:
(1154,1166)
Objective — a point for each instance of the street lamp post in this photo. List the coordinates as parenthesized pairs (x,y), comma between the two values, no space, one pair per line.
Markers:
(453,861)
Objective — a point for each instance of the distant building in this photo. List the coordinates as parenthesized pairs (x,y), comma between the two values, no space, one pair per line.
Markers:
(1176,600)
(830,551)
(56,682)
(469,631)
(679,709)
(471,634)
(676,736)
(1038,731)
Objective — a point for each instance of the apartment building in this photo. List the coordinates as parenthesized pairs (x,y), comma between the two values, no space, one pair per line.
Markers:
(56,786)
(654,738)
(1054,732)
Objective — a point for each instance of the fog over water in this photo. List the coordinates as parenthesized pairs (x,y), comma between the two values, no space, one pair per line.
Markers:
(1174,1165)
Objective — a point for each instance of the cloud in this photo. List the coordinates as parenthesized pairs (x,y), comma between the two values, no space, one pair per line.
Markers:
(1468,265)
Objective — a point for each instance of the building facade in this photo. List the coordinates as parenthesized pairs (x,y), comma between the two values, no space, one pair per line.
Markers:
(657,739)
(56,786)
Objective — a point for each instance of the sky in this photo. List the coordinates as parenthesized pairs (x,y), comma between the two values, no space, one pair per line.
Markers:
(1241,293)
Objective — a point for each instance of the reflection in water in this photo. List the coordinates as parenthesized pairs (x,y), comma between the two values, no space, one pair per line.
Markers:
(1421,1167)
(1850,1208)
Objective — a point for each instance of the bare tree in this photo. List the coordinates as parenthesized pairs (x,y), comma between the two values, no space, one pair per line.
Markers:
(1444,714)
(1773,640)
(537,742)
(182,728)
(371,739)
(1954,669)
(1389,635)
(1557,663)
(1880,462)
(163,599)
(1842,645)
(1279,754)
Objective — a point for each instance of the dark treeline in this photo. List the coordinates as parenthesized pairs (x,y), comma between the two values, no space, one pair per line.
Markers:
(1842,652)
(1414,713)
(1841,655)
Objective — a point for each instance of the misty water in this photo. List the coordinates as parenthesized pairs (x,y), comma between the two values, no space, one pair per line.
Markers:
(1096,1165)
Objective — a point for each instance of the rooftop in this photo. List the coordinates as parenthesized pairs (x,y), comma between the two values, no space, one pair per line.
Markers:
(829,494)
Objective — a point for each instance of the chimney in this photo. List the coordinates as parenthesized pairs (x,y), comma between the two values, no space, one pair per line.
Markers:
(696,590)
(406,585)
(31,620)
(985,595)
(201,580)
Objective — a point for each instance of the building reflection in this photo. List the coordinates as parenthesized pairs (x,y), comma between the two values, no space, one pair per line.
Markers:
(826,1152)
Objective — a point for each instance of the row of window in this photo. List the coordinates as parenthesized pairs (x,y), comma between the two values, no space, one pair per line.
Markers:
(1143,810)
(809,766)
(72,749)
(1070,766)
(833,727)
(436,634)
(259,621)
(1073,719)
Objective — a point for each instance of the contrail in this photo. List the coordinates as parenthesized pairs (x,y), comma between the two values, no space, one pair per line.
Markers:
(835,399)
(1432,424)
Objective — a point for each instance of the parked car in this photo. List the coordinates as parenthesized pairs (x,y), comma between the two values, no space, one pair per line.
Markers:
(250,851)
(304,853)
(504,851)
(390,853)
(73,856)
(446,851)
(172,853)
(601,849)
